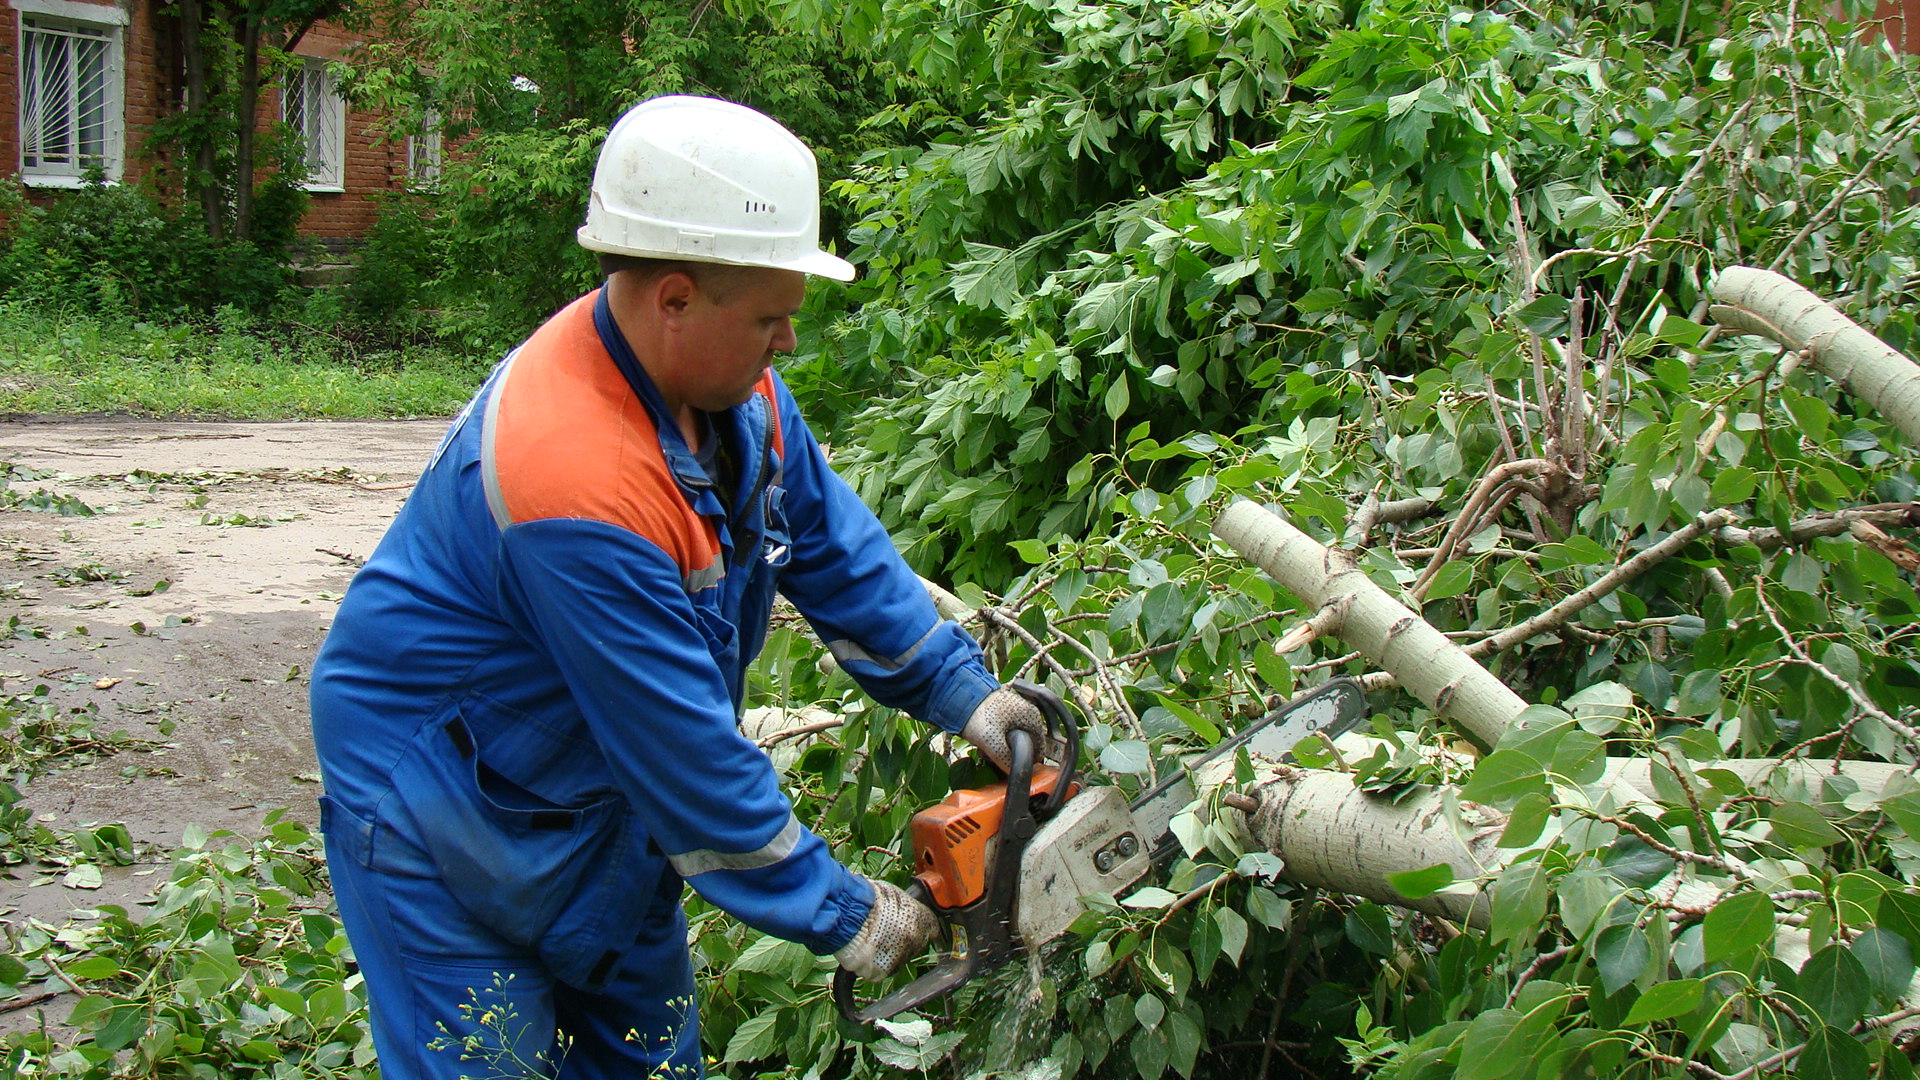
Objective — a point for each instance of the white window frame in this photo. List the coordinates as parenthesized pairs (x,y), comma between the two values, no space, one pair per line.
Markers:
(424,154)
(75,22)
(322,130)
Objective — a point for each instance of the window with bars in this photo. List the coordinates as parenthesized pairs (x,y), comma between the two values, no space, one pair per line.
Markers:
(311,104)
(71,80)
(423,153)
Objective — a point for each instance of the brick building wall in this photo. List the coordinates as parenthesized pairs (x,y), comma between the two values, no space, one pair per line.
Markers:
(150,53)
(1900,21)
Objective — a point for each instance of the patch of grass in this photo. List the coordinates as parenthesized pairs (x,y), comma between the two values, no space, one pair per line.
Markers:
(236,367)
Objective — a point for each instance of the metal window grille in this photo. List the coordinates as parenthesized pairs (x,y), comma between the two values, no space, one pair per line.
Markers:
(313,107)
(423,153)
(69,99)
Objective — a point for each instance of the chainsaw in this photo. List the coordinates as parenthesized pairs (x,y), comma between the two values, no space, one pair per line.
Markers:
(1005,866)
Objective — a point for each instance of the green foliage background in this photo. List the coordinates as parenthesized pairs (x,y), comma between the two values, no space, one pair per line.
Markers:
(523,94)
(1124,262)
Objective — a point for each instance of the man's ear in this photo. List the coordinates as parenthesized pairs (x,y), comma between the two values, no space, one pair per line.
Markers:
(672,294)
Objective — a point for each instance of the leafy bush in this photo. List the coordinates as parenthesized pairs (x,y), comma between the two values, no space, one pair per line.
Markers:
(116,248)
(397,265)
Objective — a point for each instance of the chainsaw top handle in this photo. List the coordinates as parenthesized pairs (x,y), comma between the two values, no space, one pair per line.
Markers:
(1060,725)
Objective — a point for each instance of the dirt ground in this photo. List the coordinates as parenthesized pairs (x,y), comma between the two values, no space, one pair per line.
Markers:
(255,529)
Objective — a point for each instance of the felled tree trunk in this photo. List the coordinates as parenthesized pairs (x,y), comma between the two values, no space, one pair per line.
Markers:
(1765,303)
(1334,836)
(1432,668)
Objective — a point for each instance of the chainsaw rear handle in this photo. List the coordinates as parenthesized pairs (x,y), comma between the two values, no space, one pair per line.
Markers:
(980,936)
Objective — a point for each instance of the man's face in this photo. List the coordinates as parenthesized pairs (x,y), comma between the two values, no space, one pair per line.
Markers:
(733,331)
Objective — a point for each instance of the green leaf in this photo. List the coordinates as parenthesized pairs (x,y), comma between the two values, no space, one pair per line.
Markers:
(1033,552)
(1267,906)
(1450,580)
(1736,924)
(93,967)
(1163,612)
(1666,1000)
(1888,961)
(989,278)
(1519,901)
(1832,1054)
(757,1037)
(1504,775)
(1233,932)
(1369,928)
(1527,820)
(1699,693)
(126,1023)
(1151,898)
(1490,1049)
(1414,884)
(1546,316)
(1118,397)
(1834,985)
(1904,809)
(1900,913)
(1801,827)
(1124,757)
(1621,954)
(773,956)
(1150,1054)
(1273,669)
(1149,1010)
(1196,723)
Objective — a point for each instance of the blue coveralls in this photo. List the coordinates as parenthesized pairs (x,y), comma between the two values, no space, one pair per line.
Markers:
(526,712)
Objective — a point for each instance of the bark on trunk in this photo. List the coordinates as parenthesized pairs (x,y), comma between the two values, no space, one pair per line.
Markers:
(1765,303)
(247,34)
(193,58)
(1434,669)
(1333,836)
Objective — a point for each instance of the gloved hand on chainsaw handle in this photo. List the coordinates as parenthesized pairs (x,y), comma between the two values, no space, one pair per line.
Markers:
(897,929)
(1004,710)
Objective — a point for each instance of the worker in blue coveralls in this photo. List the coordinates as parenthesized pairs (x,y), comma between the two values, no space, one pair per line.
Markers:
(526,708)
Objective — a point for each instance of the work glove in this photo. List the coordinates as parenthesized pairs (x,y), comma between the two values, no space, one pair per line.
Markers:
(898,927)
(1004,710)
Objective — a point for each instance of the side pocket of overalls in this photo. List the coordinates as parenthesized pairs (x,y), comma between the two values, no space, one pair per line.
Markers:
(511,858)
(572,884)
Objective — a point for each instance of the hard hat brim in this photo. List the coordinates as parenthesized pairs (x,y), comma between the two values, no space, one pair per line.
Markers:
(817,263)
(823,264)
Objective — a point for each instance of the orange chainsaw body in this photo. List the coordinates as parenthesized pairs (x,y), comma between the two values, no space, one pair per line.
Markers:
(953,839)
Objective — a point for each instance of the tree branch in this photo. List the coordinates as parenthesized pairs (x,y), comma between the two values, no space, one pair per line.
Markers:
(1557,615)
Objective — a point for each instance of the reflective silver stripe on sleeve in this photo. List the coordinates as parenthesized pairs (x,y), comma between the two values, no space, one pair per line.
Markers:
(703,577)
(701,862)
(844,651)
(489,429)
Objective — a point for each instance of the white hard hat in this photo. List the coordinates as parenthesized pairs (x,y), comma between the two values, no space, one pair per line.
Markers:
(708,181)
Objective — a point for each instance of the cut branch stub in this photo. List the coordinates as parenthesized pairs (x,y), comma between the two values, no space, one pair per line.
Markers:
(1432,668)
(1762,302)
